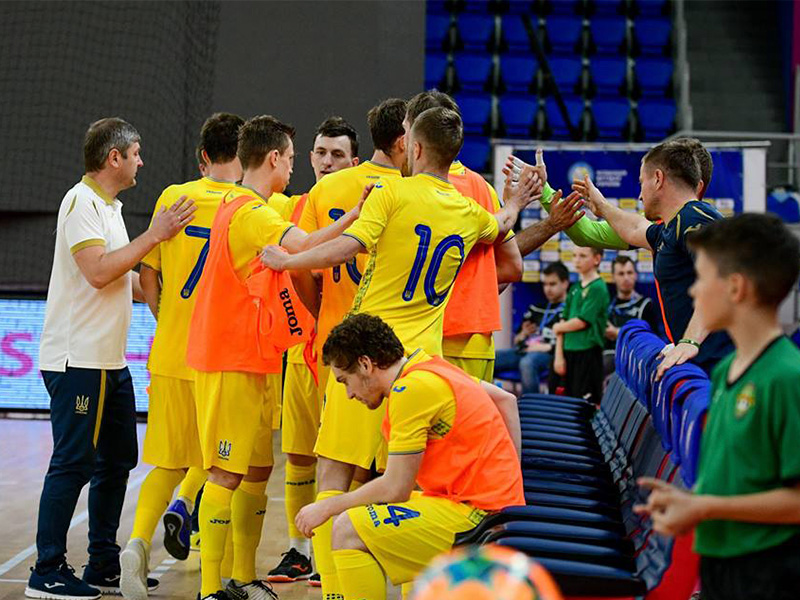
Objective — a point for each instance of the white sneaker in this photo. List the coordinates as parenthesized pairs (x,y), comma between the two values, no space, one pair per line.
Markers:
(255,590)
(135,564)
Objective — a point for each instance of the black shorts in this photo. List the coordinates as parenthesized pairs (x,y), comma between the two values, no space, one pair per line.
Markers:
(584,378)
(772,574)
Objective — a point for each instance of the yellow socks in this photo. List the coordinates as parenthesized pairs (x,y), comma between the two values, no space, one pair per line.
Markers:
(226,566)
(326,568)
(360,575)
(154,499)
(247,519)
(215,521)
(191,484)
(300,489)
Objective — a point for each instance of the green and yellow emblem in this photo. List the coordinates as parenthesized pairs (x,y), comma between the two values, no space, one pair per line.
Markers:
(745,400)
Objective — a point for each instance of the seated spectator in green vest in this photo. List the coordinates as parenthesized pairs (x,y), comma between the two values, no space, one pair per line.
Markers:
(745,505)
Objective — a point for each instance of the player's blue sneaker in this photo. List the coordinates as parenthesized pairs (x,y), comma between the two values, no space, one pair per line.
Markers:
(107,577)
(59,584)
(178,530)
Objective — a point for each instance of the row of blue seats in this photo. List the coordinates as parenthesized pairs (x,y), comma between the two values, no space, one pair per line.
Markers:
(602,76)
(558,7)
(575,35)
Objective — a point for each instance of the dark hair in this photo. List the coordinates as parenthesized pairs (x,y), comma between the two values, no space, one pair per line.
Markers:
(622,261)
(386,123)
(430,99)
(336,127)
(759,246)
(360,335)
(219,136)
(704,160)
(558,269)
(441,133)
(102,137)
(259,136)
(677,161)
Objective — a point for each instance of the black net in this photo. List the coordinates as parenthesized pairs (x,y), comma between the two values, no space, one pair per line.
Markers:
(66,64)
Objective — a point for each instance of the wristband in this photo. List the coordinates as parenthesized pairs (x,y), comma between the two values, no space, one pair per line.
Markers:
(690,342)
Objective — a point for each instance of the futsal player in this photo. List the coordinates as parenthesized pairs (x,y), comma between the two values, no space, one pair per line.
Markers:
(453,437)
(169,275)
(335,148)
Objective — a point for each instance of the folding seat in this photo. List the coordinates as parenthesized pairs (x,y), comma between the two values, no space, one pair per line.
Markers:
(436,71)
(650,7)
(556,123)
(611,118)
(478,6)
(784,204)
(606,7)
(476,32)
(518,115)
(474,72)
(608,34)
(439,7)
(518,73)
(657,118)
(515,34)
(653,76)
(609,75)
(564,34)
(692,425)
(563,7)
(437,32)
(520,7)
(652,35)
(567,74)
(475,152)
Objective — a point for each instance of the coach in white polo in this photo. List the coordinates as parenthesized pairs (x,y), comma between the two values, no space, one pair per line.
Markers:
(82,358)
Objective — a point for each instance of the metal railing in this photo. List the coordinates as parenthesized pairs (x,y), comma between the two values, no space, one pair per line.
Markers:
(682,75)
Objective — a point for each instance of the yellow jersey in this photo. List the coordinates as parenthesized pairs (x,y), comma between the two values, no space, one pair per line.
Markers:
(294,354)
(180,260)
(418,231)
(330,198)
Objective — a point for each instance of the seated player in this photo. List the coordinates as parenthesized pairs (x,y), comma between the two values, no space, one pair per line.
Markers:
(455,438)
(745,505)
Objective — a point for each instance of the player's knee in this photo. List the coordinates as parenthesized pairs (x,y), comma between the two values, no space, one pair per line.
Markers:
(301,460)
(224,478)
(345,536)
(334,475)
(258,474)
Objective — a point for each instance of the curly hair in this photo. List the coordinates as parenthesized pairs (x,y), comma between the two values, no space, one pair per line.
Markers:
(360,335)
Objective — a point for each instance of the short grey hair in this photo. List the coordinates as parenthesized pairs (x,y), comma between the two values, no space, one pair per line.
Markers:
(102,137)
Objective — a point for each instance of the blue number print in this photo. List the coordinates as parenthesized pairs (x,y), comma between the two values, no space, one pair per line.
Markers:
(399,513)
(202,233)
(352,269)
(451,241)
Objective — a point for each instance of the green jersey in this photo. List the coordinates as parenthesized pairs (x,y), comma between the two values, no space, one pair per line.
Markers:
(590,305)
(751,444)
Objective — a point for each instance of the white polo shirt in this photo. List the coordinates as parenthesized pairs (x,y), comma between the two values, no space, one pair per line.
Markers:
(83,326)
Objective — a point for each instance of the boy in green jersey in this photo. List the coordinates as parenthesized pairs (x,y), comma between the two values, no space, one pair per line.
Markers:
(746,503)
(578,362)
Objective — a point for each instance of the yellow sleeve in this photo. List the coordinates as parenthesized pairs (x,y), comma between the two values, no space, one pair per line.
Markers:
(260,226)
(374,216)
(497,206)
(308,218)
(153,258)
(488,227)
(417,401)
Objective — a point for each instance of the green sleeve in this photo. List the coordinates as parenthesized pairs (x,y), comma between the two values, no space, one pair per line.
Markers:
(588,233)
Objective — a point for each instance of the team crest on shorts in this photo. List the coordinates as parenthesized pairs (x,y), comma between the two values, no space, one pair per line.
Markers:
(224,449)
(81,405)
(746,400)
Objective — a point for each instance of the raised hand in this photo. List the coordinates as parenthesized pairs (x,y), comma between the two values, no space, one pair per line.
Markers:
(589,192)
(167,222)
(565,213)
(522,192)
(367,189)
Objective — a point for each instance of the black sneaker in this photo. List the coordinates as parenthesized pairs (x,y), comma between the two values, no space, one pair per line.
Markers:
(59,584)
(255,590)
(315,580)
(294,566)
(106,578)
(220,595)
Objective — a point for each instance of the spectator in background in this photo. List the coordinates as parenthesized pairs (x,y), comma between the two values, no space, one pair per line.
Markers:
(626,305)
(534,342)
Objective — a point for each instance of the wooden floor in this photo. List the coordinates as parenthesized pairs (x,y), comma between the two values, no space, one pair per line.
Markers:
(24,453)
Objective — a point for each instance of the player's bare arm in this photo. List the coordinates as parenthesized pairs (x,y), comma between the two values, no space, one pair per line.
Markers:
(101,268)
(329,254)
(151,287)
(306,286)
(136,288)
(508,262)
(506,403)
(563,215)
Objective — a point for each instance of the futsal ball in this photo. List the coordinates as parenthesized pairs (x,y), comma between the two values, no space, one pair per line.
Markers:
(485,573)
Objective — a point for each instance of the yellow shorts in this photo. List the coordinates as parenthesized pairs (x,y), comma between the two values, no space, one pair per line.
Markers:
(349,432)
(301,410)
(234,417)
(482,368)
(171,440)
(405,537)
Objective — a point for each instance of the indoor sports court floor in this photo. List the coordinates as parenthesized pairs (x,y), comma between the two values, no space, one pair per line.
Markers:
(25,448)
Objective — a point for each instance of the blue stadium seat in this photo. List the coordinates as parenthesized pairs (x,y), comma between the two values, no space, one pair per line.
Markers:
(657,118)
(435,71)
(476,32)
(437,32)
(567,73)
(476,112)
(518,73)
(519,115)
(652,36)
(609,75)
(784,203)
(439,7)
(478,6)
(608,34)
(654,76)
(611,117)
(555,123)
(563,7)
(475,154)
(521,7)
(650,7)
(473,71)
(564,33)
(515,35)
(606,7)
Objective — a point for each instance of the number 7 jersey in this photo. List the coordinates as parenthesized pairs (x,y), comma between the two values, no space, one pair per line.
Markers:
(418,231)
(180,261)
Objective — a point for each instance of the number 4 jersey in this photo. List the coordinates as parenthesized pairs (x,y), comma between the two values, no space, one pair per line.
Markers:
(418,231)
(180,261)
